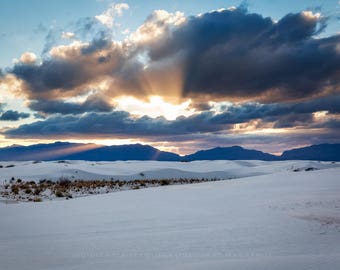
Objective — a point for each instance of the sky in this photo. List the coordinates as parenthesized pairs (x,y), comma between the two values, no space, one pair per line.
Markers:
(178,75)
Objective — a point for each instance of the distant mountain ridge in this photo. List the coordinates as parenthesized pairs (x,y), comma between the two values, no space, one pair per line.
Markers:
(94,152)
(325,152)
(230,153)
(79,151)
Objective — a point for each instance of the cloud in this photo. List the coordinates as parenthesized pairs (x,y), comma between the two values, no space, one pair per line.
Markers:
(28,58)
(234,54)
(107,17)
(72,70)
(116,123)
(91,104)
(282,67)
(161,132)
(11,115)
(221,55)
(158,25)
(67,35)
(120,123)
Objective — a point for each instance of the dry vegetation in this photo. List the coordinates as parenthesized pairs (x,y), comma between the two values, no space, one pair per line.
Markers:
(19,190)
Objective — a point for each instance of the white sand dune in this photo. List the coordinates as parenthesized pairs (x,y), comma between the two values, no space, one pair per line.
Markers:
(278,220)
(129,170)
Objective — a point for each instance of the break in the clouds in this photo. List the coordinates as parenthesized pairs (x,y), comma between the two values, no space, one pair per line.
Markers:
(241,72)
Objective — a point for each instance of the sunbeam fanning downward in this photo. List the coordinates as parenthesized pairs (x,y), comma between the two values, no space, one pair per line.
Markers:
(154,108)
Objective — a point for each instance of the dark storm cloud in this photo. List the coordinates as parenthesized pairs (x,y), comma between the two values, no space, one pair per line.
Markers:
(296,111)
(222,55)
(71,71)
(124,124)
(118,123)
(50,75)
(330,124)
(91,104)
(281,115)
(293,120)
(236,54)
(11,115)
(100,42)
(115,123)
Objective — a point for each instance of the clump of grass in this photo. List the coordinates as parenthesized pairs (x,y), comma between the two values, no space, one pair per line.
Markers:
(164,182)
(15,189)
(28,191)
(37,191)
(59,194)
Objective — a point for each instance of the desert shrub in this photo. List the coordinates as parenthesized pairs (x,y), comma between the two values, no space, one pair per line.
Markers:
(15,189)
(37,199)
(164,182)
(28,191)
(18,181)
(142,184)
(59,194)
(10,166)
(64,182)
(37,191)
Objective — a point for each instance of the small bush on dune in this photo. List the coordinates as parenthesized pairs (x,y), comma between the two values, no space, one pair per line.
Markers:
(164,182)
(15,189)
(37,191)
(59,194)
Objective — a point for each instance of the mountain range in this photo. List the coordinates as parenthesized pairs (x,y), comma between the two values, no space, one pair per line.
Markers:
(94,152)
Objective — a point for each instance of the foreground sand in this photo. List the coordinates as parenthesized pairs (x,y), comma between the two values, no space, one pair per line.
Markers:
(281,220)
